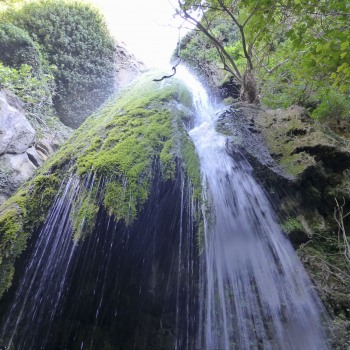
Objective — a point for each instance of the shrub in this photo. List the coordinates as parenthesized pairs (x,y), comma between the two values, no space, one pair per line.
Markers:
(35,92)
(18,48)
(75,39)
(333,104)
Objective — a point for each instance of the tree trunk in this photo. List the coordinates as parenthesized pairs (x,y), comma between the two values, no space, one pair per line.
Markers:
(249,88)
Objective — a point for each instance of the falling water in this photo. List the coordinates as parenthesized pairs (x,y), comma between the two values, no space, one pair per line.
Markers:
(255,293)
(40,292)
(146,286)
(121,288)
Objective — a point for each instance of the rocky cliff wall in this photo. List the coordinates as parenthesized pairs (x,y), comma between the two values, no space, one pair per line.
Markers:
(20,150)
(305,168)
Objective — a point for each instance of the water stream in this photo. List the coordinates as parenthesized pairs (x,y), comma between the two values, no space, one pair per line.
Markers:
(255,293)
(147,286)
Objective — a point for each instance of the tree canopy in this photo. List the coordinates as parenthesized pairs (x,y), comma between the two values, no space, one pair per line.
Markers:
(308,35)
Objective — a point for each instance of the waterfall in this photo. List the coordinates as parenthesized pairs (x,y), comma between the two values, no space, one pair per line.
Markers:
(255,293)
(40,292)
(123,287)
(151,285)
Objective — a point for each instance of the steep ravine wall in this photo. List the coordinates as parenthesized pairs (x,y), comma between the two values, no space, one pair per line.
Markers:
(305,168)
(115,149)
(22,148)
(145,273)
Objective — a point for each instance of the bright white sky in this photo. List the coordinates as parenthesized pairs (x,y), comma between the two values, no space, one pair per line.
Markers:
(147,27)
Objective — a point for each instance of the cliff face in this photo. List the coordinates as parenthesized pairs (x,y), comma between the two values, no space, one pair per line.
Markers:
(21,151)
(113,155)
(127,66)
(305,168)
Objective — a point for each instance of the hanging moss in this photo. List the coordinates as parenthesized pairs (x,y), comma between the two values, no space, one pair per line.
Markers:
(21,215)
(113,153)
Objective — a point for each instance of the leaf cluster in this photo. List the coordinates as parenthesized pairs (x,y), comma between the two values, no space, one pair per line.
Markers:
(295,48)
(74,38)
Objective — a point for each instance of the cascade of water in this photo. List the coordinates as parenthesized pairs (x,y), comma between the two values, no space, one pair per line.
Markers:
(255,293)
(124,287)
(41,289)
(136,287)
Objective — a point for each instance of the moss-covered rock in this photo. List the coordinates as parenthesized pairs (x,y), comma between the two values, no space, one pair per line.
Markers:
(297,143)
(20,216)
(305,168)
(114,154)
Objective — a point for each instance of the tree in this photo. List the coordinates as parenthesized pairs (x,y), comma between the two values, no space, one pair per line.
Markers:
(271,33)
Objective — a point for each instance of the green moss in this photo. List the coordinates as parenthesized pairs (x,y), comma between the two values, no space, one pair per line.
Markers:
(9,228)
(192,166)
(295,164)
(19,217)
(167,159)
(118,147)
(127,136)
(291,225)
(83,216)
(6,275)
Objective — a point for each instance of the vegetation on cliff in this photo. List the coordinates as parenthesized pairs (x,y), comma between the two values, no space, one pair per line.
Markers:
(130,136)
(70,51)
(281,52)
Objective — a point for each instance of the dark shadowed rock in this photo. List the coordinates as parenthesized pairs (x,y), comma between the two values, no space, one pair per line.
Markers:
(305,168)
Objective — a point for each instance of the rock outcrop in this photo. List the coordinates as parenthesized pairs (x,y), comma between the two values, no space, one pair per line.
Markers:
(20,152)
(127,66)
(305,168)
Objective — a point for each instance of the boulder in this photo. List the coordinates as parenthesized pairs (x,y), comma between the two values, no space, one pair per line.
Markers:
(15,169)
(18,154)
(16,133)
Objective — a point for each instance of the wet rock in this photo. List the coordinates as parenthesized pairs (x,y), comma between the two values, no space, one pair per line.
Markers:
(305,167)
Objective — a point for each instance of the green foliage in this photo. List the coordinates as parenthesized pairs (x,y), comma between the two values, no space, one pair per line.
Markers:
(199,53)
(35,92)
(333,105)
(294,47)
(25,72)
(291,225)
(75,39)
(18,48)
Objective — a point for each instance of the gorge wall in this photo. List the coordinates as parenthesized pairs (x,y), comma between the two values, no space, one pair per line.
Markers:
(304,166)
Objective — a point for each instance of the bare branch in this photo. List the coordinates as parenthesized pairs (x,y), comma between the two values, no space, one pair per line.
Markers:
(223,53)
(241,31)
(342,238)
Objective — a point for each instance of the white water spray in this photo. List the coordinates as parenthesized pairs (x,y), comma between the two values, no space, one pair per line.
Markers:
(255,293)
